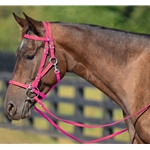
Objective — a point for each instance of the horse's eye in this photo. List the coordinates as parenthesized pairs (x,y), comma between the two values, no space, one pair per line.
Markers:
(29,57)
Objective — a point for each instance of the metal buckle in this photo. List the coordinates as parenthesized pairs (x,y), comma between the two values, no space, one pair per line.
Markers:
(54,60)
(30,90)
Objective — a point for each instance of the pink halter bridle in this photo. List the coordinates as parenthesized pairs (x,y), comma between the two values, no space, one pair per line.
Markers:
(49,45)
(33,87)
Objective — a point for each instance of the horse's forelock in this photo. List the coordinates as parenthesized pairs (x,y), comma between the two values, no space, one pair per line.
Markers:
(24,31)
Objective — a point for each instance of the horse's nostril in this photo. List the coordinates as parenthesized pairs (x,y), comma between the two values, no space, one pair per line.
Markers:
(11,109)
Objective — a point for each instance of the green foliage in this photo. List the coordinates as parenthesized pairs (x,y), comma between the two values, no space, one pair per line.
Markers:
(129,18)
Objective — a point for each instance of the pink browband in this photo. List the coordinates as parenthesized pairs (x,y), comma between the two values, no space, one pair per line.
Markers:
(33,87)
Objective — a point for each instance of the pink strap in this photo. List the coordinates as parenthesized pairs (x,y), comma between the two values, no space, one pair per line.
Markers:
(83,125)
(35,37)
(39,93)
(73,137)
(57,73)
(18,84)
(51,40)
(89,126)
(25,86)
(46,69)
(36,81)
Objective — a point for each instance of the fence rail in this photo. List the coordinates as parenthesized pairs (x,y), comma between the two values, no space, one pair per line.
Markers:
(77,103)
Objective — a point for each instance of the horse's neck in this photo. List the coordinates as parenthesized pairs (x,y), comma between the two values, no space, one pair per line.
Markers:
(103,59)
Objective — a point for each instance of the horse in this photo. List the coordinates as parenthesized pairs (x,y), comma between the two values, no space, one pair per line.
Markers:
(114,61)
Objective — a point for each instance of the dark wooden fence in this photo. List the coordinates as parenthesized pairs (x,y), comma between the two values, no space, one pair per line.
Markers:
(103,110)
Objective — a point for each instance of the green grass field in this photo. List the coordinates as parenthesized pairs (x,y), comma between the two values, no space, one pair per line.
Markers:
(18,137)
(8,136)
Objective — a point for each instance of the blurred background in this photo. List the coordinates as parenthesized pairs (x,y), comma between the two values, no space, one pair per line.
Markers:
(130,18)
(77,100)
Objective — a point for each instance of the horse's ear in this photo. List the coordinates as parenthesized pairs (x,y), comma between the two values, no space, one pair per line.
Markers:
(34,25)
(22,22)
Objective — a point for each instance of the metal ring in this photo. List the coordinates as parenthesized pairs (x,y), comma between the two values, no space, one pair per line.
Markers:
(54,59)
(30,90)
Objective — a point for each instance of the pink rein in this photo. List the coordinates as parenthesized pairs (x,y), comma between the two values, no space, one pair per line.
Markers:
(49,49)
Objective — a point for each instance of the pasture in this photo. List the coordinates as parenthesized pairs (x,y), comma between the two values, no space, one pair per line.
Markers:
(9,136)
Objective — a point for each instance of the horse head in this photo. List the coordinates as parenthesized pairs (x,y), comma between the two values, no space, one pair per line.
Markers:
(18,100)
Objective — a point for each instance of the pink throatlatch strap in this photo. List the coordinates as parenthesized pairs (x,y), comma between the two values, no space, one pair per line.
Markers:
(48,39)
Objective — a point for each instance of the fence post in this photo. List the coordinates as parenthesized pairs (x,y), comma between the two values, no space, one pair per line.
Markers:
(54,108)
(79,111)
(107,116)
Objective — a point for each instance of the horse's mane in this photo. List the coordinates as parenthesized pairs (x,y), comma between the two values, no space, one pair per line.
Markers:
(92,26)
(98,27)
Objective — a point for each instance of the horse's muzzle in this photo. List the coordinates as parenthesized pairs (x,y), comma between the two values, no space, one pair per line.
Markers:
(17,114)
